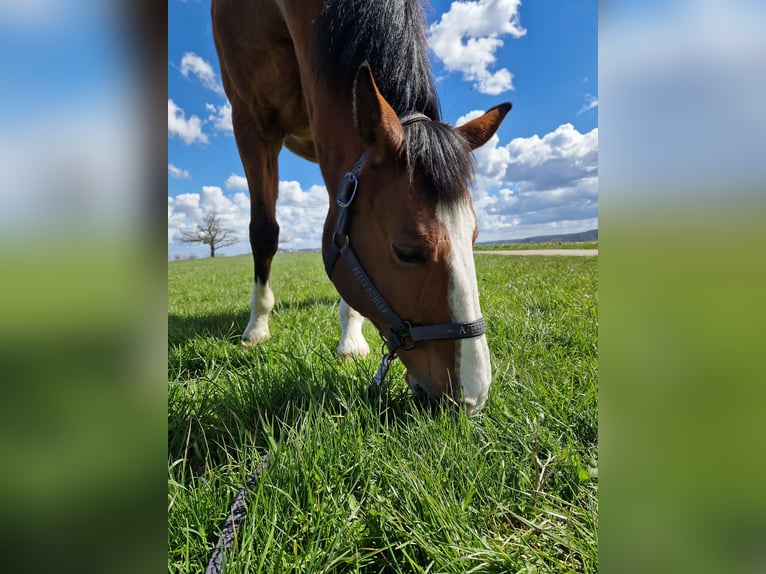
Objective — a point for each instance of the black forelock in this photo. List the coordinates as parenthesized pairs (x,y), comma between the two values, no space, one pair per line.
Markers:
(442,156)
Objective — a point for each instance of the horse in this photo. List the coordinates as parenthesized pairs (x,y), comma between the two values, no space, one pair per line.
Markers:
(348,84)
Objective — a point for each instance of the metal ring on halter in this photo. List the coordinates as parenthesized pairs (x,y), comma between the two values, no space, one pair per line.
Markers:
(408,347)
(403,334)
(396,340)
(335,238)
(348,178)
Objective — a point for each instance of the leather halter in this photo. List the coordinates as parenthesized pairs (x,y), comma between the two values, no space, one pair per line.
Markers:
(401,334)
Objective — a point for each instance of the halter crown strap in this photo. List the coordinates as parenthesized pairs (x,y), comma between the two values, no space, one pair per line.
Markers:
(413,118)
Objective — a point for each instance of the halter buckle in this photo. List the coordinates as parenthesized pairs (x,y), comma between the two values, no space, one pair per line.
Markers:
(350,181)
(399,334)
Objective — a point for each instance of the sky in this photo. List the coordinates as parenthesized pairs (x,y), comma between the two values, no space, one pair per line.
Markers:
(538,175)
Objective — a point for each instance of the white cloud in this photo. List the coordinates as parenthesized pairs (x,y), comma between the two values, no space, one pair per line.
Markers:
(301,214)
(536,185)
(190,130)
(177,172)
(558,159)
(466,38)
(186,210)
(194,65)
(220,116)
(235,181)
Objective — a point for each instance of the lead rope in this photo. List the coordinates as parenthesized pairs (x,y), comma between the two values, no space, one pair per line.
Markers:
(237,513)
(385,363)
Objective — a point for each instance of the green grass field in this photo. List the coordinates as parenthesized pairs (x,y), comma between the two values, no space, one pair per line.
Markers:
(547,245)
(364,479)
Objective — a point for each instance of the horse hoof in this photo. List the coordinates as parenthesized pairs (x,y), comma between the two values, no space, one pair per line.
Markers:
(254,339)
(353,348)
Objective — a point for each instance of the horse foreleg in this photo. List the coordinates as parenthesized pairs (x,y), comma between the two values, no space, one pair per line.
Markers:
(352,341)
(259,158)
(261,304)
(264,239)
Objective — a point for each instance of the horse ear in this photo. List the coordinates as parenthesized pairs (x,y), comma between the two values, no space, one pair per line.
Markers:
(479,130)
(376,121)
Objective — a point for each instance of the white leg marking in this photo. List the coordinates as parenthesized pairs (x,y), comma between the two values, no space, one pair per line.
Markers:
(261,304)
(472,355)
(352,342)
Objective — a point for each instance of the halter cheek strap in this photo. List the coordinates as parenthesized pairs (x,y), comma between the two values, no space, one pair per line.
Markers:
(400,334)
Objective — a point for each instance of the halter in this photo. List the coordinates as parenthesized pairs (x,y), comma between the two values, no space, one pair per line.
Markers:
(400,334)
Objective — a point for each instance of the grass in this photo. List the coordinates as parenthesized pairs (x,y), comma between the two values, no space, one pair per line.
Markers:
(364,479)
(546,245)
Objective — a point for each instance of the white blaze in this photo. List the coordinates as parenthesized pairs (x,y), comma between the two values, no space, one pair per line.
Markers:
(472,355)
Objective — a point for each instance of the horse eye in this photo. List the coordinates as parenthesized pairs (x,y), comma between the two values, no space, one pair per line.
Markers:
(410,254)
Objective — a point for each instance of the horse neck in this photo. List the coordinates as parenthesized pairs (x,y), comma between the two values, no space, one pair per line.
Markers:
(337,139)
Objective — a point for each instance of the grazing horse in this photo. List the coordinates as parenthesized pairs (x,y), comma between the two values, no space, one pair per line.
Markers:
(348,84)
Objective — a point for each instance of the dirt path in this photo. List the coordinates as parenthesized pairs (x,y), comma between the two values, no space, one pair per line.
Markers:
(573,252)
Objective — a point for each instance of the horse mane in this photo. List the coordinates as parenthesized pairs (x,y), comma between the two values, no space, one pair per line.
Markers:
(391,36)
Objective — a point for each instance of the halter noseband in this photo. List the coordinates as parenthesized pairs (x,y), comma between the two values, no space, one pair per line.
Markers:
(401,334)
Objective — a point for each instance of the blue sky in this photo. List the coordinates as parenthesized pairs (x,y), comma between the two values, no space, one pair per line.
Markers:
(538,175)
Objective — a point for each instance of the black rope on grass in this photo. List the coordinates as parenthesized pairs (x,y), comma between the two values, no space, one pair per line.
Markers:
(237,514)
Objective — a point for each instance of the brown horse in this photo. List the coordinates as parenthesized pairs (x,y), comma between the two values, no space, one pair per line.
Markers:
(347,83)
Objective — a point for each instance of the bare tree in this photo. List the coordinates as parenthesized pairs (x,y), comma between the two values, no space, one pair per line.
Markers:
(211,233)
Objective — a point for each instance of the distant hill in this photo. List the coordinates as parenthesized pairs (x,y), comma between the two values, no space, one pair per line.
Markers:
(590,235)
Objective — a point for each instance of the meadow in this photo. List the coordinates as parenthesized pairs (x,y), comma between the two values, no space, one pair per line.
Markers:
(363,478)
(546,245)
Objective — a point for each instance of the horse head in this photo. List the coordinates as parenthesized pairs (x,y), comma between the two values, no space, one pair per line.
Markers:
(411,227)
